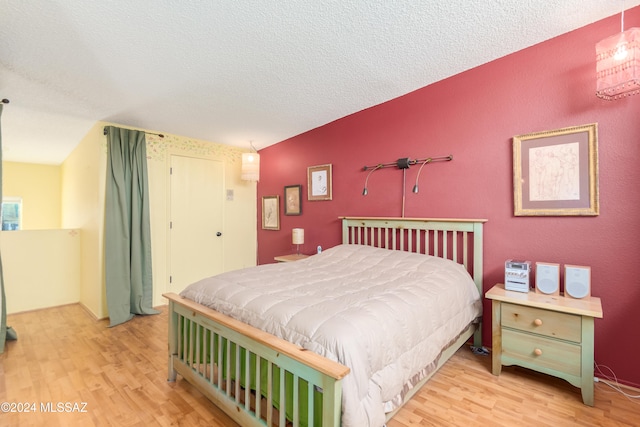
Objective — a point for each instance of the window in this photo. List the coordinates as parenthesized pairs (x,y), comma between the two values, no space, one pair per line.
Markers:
(11,213)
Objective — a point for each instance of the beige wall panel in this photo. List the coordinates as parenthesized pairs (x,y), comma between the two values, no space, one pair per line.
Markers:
(83,178)
(39,187)
(41,268)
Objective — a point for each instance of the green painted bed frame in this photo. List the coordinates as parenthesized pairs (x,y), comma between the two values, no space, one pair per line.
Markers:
(220,355)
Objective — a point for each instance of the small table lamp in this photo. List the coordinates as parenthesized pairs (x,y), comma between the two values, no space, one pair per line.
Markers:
(297,238)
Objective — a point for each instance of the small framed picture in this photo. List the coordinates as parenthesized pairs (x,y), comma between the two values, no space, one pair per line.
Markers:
(556,172)
(271,212)
(292,200)
(319,182)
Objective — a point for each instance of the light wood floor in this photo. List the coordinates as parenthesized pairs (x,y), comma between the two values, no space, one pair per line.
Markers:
(64,355)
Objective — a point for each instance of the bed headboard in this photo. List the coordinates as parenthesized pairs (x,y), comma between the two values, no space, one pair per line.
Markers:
(459,240)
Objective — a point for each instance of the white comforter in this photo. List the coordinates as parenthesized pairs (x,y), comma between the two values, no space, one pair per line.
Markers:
(384,314)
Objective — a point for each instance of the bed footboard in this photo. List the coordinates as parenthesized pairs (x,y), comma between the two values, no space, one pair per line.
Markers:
(251,375)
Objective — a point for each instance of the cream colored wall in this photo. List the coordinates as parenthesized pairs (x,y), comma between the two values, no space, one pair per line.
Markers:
(83,183)
(83,189)
(239,229)
(42,261)
(41,268)
(39,186)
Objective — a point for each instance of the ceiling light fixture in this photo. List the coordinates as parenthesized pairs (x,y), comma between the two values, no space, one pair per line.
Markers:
(618,64)
(251,165)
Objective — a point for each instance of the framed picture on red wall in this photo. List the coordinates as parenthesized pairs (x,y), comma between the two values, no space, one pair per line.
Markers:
(319,182)
(293,200)
(555,173)
(271,212)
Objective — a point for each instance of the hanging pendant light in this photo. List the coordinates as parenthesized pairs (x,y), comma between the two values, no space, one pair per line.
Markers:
(618,64)
(251,165)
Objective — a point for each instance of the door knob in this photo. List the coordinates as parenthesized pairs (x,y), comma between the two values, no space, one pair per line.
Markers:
(218,234)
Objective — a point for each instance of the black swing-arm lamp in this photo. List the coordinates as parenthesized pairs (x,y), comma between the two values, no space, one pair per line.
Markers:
(403,163)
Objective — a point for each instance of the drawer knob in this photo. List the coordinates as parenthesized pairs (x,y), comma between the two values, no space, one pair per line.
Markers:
(537,322)
(537,352)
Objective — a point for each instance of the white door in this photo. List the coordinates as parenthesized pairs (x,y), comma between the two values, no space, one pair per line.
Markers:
(195,228)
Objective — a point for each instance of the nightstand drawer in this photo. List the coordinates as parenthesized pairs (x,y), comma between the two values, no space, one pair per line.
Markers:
(542,352)
(544,322)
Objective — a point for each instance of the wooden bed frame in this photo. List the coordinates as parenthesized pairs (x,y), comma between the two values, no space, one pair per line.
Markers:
(218,354)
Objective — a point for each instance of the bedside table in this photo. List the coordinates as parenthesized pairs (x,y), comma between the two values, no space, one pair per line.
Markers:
(289,258)
(546,333)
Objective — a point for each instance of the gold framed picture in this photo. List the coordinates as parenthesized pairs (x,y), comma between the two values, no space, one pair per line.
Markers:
(293,200)
(555,173)
(319,182)
(271,212)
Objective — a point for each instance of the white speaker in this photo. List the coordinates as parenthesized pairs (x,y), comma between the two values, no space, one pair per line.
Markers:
(577,281)
(547,278)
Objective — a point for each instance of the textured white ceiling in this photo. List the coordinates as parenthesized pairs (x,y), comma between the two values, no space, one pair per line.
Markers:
(234,71)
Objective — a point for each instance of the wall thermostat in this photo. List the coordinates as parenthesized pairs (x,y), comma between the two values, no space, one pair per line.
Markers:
(516,275)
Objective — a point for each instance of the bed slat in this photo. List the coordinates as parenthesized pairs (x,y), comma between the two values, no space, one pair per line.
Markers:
(247,380)
(258,385)
(311,413)
(283,400)
(269,393)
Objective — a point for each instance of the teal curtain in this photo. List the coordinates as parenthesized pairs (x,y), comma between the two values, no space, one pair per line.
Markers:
(6,332)
(129,280)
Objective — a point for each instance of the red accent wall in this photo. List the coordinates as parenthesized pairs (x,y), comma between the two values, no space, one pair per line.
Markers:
(474,116)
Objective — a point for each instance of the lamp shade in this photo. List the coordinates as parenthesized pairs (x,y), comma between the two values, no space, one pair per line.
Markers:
(250,167)
(297,236)
(618,65)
